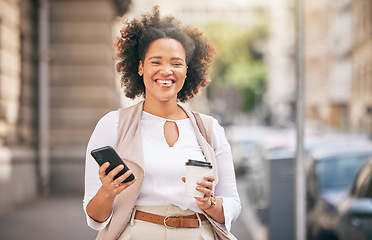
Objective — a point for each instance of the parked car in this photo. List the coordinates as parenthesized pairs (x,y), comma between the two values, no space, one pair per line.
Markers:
(330,173)
(243,140)
(264,144)
(355,219)
(249,167)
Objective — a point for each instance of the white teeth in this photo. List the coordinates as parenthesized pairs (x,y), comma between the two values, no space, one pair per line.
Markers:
(165,81)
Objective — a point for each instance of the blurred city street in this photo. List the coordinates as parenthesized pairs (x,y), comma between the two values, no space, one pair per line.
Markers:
(291,84)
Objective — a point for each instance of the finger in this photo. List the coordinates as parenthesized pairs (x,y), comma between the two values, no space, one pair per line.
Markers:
(204,190)
(120,179)
(102,169)
(205,184)
(115,171)
(123,186)
(209,178)
(118,188)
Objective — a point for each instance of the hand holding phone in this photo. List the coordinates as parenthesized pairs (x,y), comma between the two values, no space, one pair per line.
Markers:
(108,154)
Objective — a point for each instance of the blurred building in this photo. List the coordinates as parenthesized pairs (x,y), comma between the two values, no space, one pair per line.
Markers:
(338,63)
(56,80)
(328,63)
(361,94)
(240,13)
(280,57)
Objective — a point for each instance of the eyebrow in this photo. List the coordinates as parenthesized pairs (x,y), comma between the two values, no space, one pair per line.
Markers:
(173,58)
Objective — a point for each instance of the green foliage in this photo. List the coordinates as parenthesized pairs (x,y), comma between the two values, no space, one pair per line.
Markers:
(239,60)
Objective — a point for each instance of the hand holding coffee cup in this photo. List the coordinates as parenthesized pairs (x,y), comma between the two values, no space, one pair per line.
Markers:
(195,172)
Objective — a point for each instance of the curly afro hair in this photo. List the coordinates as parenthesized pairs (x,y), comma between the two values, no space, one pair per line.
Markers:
(137,35)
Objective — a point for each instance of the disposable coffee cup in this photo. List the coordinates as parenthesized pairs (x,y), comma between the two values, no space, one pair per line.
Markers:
(195,171)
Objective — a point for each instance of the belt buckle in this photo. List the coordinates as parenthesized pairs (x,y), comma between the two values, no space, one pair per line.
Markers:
(165,221)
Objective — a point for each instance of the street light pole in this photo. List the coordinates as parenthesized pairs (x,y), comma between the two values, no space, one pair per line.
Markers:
(300,174)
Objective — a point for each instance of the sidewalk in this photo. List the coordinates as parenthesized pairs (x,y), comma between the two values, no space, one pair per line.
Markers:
(61,218)
(53,218)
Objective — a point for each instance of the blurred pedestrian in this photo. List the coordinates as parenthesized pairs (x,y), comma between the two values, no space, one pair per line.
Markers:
(166,63)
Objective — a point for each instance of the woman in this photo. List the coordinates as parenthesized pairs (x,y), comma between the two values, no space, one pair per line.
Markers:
(166,63)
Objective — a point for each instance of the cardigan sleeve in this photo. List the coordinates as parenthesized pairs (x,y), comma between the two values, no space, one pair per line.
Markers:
(226,186)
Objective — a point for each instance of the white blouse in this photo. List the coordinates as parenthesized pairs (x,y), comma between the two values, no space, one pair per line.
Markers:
(165,166)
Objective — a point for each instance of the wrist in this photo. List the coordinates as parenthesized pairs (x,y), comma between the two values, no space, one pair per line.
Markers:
(213,203)
(106,194)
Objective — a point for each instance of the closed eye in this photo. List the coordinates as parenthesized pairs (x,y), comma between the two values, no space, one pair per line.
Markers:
(178,64)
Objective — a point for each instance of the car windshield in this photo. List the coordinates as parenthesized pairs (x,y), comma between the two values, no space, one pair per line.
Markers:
(338,173)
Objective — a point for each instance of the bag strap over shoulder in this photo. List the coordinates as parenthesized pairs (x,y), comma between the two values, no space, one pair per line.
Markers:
(201,127)
(203,130)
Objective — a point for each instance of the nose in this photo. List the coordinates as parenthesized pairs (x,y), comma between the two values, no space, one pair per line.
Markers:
(166,70)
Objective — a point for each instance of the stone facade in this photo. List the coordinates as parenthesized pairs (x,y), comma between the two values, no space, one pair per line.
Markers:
(327,33)
(18,98)
(82,87)
(328,62)
(337,64)
(361,103)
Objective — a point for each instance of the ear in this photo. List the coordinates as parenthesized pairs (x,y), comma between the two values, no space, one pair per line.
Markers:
(140,68)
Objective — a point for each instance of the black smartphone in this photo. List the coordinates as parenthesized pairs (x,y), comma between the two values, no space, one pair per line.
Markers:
(108,154)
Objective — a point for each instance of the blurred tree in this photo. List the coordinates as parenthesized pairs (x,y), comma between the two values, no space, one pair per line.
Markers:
(239,61)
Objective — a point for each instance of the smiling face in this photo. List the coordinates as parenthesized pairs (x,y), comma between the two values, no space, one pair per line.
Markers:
(163,70)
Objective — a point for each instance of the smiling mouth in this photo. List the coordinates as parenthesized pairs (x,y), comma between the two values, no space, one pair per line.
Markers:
(164,83)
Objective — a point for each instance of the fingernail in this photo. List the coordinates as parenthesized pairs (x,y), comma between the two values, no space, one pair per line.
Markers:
(121,166)
(198,182)
(107,163)
(197,188)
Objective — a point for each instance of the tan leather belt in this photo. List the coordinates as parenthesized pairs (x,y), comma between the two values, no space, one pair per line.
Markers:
(190,221)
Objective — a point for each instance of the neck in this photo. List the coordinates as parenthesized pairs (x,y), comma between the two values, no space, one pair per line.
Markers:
(168,110)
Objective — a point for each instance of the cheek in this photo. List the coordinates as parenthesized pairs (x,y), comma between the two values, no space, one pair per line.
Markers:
(183,73)
(182,83)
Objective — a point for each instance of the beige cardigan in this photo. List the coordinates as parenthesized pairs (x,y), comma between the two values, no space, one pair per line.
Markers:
(129,147)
